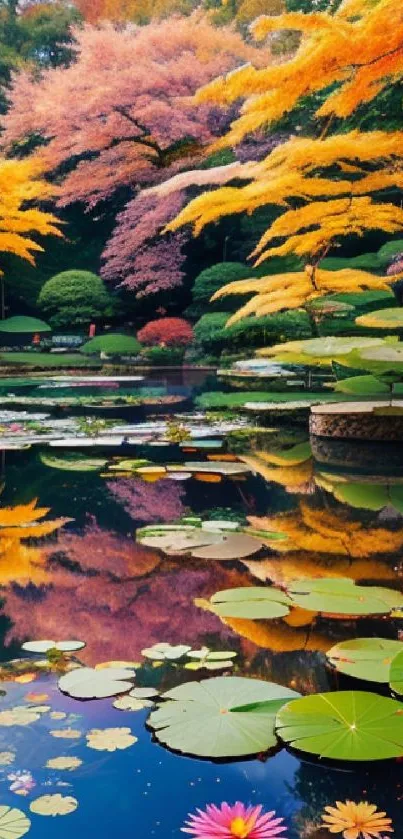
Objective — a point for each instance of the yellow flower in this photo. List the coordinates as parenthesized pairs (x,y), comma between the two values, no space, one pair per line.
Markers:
(110,739)
(64,763)
(356,820)
(54,805)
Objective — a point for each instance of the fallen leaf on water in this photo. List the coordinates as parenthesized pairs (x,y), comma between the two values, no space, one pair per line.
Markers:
(54,805)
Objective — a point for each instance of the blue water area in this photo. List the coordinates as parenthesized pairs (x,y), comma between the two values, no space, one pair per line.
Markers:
(86,577)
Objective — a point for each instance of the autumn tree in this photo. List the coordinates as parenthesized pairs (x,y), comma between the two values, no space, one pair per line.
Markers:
(336,184)
(22,188)
(122,117)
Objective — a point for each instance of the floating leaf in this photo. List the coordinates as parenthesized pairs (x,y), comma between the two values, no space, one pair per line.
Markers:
(54,805)
(18,716)
(209,660)
(251,602)
(127,665)
(382,319)
(110,739)
(130,703)
(180,540)
(45,646)
(365,658)
(232,546)
(396,674)
(13,823)
(220,717)
(342,597)
(6,758)
(68,763)
(66,733)
(343,725)
(88,683)
(143,693)
(162,651)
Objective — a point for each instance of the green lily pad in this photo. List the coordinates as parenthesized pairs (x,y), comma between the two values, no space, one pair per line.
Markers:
(255,602)
(396,674)
(343,725)
(46,646)
(164,651)
(72,463)
(365,658)
(226,716)
(206,659)
(177,540)
(13,823)
(341,596)
(88,683)
(361,385)
(382,319)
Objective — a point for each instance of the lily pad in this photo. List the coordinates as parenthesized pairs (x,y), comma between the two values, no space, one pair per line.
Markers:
(45,646)
(206,659)
(365,658)
(396,674)
(231,546)
(218,467)
(13,823)
(88,683)
(343,725)
(256,602)
(220,717)
(340,596)
(164,651)
(382,319)
(180,540)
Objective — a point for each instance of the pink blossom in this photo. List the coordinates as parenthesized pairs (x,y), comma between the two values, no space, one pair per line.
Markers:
(234,822)
(22,782)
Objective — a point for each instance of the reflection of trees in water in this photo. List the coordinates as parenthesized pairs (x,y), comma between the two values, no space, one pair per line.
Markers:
(149,502)
(21,562)
(332,532)
(316,785)
(104,589)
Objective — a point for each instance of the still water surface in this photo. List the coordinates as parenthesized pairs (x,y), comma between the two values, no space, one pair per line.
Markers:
(89,580)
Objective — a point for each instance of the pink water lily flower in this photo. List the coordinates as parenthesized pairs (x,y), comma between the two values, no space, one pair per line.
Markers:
(22,782)
(234,821)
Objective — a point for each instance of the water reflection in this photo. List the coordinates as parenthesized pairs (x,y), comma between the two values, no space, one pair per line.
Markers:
(70,567)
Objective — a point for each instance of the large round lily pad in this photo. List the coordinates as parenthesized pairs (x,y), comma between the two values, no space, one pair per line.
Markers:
(220,717)
(343,725)
(382,319)
(340,596)
(365,658)
(251,602)
(88,683)
(396,674)
(177,540)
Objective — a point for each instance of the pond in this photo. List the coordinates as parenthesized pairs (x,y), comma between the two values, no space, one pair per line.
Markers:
(72,568)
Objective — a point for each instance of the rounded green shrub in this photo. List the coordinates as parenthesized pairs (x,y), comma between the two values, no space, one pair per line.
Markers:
(212,333)
(75,298)
(112,344)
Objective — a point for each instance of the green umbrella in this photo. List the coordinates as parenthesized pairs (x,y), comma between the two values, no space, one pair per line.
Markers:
(20,323)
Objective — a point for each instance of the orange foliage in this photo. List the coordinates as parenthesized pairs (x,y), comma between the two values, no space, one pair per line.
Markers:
(322,531)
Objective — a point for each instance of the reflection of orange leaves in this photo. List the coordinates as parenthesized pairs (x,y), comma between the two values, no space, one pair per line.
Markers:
(22,514)
(205,478)
(24,679)
(283,570)
(296,478)
(277,636)
(19,562)
(36,697)
(311,529)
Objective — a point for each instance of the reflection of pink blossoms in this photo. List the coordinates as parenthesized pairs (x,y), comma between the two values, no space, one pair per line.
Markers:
(160,501)
(237,820)
(22,782)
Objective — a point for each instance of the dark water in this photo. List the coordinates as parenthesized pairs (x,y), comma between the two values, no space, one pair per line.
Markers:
(89,580)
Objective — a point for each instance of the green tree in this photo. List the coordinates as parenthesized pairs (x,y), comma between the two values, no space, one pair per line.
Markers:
(75,298)
(38,35)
